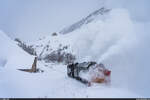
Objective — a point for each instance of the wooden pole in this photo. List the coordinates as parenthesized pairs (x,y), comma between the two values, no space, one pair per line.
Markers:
(34,65)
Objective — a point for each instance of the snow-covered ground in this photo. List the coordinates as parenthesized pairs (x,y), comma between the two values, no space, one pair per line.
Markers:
(53,83)
(113,41)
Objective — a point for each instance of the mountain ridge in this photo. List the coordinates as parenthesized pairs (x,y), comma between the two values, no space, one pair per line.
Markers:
(85,20)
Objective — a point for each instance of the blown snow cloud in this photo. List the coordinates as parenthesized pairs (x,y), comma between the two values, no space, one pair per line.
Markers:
(103,38)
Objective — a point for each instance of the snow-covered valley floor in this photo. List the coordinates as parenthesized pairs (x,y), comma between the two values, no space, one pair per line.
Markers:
(53,83)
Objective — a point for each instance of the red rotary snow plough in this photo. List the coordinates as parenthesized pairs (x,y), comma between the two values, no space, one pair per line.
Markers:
(89,72)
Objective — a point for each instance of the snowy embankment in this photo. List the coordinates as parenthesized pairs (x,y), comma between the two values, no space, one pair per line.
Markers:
(111,41)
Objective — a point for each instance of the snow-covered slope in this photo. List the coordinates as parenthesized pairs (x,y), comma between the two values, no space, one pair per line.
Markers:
(11,55)
(54,49)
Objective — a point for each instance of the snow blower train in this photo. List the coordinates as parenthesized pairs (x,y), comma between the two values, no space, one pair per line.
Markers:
(89,72)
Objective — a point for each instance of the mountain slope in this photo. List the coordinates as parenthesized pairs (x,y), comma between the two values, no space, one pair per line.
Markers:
(98,13)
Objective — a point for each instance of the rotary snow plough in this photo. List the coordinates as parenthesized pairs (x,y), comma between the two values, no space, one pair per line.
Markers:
(89,72)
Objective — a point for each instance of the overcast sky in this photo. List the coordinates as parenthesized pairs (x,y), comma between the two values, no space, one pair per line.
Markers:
(28,19)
